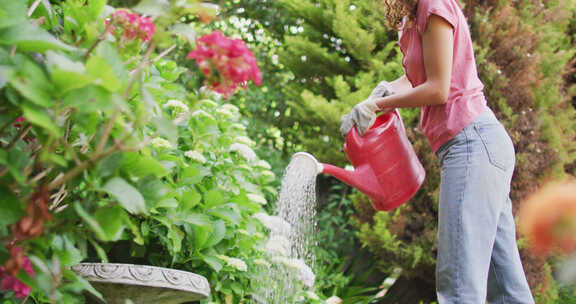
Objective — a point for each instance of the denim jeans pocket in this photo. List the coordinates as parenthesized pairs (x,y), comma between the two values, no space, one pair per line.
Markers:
(497,144)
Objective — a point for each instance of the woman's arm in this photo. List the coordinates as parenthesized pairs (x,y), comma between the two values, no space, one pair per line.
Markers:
(401,84)
(437,44)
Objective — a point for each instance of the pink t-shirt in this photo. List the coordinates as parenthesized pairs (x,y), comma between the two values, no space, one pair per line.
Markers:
(466,100)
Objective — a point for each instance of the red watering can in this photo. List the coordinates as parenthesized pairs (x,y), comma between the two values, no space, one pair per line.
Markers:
(386,167)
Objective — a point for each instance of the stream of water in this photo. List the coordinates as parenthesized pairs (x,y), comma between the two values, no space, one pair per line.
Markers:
(290,256)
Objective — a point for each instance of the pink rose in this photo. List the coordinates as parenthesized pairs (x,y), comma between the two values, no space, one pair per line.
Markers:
(227,63)
(10,282)
(132,25)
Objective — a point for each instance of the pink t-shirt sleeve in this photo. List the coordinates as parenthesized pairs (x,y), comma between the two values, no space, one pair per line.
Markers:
(441,8)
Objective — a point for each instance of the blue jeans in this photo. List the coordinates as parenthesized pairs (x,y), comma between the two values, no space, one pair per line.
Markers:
(478,257)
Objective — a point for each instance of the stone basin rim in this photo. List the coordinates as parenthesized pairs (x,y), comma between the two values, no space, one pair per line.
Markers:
(196,283)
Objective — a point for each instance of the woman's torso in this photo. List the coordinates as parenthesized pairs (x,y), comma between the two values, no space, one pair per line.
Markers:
(466,99)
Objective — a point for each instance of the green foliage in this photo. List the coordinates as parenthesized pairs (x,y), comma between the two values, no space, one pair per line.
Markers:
(337,50)
(134,163)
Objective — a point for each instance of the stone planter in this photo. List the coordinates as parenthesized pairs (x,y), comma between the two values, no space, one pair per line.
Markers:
(142,284)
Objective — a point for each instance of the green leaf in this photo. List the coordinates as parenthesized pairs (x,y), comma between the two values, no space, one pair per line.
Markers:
(228,213)
(150,104)
(89,99)
(31,38)
(213,198)
(12,12)
(186,31)
(83,284)
(6,73)
(138,239)
(10,207)
(107,51)
(38,116)
(139,165)
(153,190)
(189,200)
(194,219)
(111,220)
(126,195)
(166,128)
(169,203)
(102,72)
(64,248)
(153,7)
(109,165)
(95,8)
(218,233)
(3,157)
(192,175)
(90,221)
(201,235)
(176,236)
(66,74)
(16,162)
(214,262)
(31,81)
(99,250)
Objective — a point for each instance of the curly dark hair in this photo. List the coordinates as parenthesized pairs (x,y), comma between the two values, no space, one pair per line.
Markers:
(396,10)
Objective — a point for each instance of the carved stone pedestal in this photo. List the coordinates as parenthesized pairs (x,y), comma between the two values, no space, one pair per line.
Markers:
(143,284)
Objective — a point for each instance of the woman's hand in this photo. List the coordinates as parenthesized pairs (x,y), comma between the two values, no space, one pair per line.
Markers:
(363,114)
(383,89)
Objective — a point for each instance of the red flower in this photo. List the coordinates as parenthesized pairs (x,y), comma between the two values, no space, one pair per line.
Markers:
(226,62)
(9,281)
(133,26)
(18,122)
(548,218)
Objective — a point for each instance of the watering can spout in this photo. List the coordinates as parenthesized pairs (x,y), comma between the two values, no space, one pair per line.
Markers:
(359,178)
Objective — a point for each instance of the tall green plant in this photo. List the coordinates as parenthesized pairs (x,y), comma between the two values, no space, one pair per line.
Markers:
(110,152)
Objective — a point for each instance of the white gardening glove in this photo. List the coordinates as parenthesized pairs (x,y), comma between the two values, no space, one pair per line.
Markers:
(363,114)
(383,89)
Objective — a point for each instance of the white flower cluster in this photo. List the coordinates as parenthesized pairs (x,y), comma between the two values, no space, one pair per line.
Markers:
(177,106)
(234,262)
(262,262)
(269,174)
(333,300)
(237,126)
(245,140)
(277,245)
(276,224)
(263,164)
(195,155)
(204,90)
(302,271)
(208,103)
(161,143)
(202,113)
(312,296)
(228,111)
(257,198)
(245,151)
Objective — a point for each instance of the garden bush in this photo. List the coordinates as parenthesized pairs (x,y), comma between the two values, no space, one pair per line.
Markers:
(115,149)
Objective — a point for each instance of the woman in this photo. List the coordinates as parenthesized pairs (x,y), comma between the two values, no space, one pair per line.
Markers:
(478,258)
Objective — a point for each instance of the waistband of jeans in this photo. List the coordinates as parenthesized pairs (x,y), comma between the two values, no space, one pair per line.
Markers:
(487,115)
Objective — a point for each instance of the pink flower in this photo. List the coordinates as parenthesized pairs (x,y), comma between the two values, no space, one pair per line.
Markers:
(10,282)
(133,26)
(226,62)
(18,122)
(548,218)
